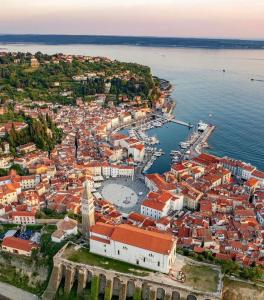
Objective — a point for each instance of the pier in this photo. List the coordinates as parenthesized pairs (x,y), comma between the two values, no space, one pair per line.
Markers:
(201,142)
(182,123)
(196,142)
(172,119)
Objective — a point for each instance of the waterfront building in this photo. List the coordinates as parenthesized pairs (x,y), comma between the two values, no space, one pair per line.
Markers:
(137,152)
(137,246)
(259,175)
(238,168)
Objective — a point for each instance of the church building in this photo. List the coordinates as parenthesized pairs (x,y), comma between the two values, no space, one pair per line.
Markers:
(148,249)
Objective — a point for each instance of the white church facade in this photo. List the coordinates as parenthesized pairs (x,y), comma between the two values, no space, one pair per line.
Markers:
(147,249)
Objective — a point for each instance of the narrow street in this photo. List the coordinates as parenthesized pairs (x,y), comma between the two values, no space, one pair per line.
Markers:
(9,292)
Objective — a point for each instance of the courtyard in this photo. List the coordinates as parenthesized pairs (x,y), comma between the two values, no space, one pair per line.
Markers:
(125,193)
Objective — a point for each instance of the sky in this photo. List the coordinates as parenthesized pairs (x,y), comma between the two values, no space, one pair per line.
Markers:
(176,18)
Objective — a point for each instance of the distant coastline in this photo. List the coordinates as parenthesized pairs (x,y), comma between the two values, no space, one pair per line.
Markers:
(172,42)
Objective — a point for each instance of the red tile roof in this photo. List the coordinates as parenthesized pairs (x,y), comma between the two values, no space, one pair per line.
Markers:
(23,214)
(258,174)
(19,244)
(149,240)
(102,229)
(137,237)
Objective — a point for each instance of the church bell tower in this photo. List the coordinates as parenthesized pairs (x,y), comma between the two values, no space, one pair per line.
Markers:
(88,217)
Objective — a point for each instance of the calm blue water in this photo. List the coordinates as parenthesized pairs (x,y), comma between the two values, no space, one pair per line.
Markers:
(235,102)
(132,41)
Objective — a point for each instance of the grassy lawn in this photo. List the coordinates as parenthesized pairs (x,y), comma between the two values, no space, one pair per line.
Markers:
(202,278)
(84,256)
(234,289)
(30,69)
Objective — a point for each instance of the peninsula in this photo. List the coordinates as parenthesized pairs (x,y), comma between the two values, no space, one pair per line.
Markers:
(80,214)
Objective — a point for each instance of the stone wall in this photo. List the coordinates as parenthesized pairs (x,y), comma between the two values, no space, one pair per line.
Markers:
(110,283)
(24,270)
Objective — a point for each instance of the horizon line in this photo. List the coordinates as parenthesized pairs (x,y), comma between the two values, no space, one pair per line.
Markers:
(135,36)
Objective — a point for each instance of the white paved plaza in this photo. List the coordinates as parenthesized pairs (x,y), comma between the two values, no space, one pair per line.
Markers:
(120,195)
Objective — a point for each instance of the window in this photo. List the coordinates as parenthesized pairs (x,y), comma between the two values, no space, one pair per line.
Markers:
(118,252)
(137,262)
(158,263)
(144,259)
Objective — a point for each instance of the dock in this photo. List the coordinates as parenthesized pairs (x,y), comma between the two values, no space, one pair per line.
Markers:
(182,123)
(197,142)
(172,119)
(201,142)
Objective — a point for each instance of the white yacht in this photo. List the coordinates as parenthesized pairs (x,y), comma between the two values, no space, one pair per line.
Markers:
(184,145)
(175,159)
(202,126)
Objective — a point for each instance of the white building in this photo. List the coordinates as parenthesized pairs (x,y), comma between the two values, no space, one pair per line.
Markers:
(23,217)
(159,204)
(148,249)
(114,171)
(5,162)
(128,143)
(137,152)
(156,182)
(247,171)
(114,122)
(126,118)
(106,169)
(110,170)
(260,217)
(65,227)
(126,171)
(28,182)
(118,138)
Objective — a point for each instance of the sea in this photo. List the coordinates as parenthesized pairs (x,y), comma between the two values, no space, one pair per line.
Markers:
(231,100)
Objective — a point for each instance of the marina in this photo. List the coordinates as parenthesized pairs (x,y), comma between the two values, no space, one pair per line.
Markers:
(194,144)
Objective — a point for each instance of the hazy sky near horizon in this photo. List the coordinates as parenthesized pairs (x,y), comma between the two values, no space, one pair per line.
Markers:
(182,18)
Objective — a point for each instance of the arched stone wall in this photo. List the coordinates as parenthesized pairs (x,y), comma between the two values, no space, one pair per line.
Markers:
(191,297)
(160,294)
(145,291)
(102,283)
(130,289)
(109,283)
(89,276)
(116,286)
(176,295)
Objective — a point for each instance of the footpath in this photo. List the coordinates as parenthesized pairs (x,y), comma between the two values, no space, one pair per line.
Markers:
(9,292)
